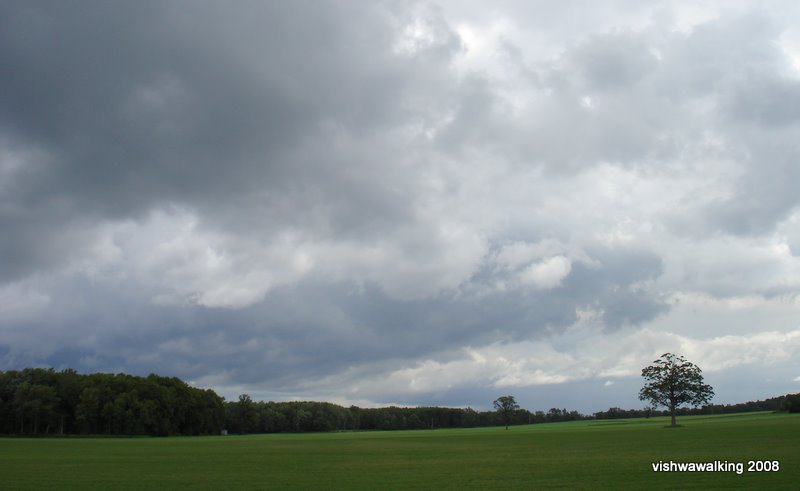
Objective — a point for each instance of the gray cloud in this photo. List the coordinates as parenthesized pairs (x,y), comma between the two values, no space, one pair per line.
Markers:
(269,195)
(135,108)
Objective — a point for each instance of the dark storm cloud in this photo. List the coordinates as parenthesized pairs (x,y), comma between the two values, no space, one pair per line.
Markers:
(267,194)
(135,106)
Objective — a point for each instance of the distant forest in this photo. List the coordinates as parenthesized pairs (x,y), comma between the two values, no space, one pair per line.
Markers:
(38,401)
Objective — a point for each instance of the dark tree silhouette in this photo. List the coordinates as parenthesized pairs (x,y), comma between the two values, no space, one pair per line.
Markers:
(672,381)
(505,406)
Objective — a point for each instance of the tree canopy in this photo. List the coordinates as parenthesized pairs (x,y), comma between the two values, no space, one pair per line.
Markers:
(505,407)
(37,401)
(671,381)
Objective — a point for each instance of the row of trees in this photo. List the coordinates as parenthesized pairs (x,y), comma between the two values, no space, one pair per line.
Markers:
(38,401)
(248,416)
(789,402)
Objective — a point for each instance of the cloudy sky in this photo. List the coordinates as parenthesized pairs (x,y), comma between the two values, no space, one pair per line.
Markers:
(403,203)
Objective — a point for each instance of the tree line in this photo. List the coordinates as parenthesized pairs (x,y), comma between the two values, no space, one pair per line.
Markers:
(248,416)
(788,402)
(38,401)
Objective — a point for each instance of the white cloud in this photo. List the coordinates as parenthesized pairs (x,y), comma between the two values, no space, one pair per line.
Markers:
(591,354)
(761,349)
(546,274)
(183,263)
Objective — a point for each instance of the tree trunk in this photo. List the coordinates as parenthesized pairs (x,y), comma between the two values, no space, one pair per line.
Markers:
(672,414)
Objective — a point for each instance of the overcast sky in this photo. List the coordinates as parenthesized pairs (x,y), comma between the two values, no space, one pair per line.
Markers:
(403,203)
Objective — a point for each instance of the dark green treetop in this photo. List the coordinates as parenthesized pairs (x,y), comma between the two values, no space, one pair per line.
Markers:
(671,381)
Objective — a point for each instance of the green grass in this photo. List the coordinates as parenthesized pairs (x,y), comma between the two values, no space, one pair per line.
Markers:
(614,454)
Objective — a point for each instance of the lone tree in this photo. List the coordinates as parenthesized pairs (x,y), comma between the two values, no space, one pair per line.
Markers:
(505,406)
(672,381)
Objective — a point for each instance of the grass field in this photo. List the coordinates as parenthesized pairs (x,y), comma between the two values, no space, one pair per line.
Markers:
(614,454)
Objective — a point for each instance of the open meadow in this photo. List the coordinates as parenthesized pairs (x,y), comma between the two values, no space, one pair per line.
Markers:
(611,454)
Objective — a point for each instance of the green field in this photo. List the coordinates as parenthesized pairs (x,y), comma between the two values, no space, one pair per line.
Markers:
(611,454)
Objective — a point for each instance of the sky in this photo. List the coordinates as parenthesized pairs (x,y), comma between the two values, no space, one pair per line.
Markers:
(411,203)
